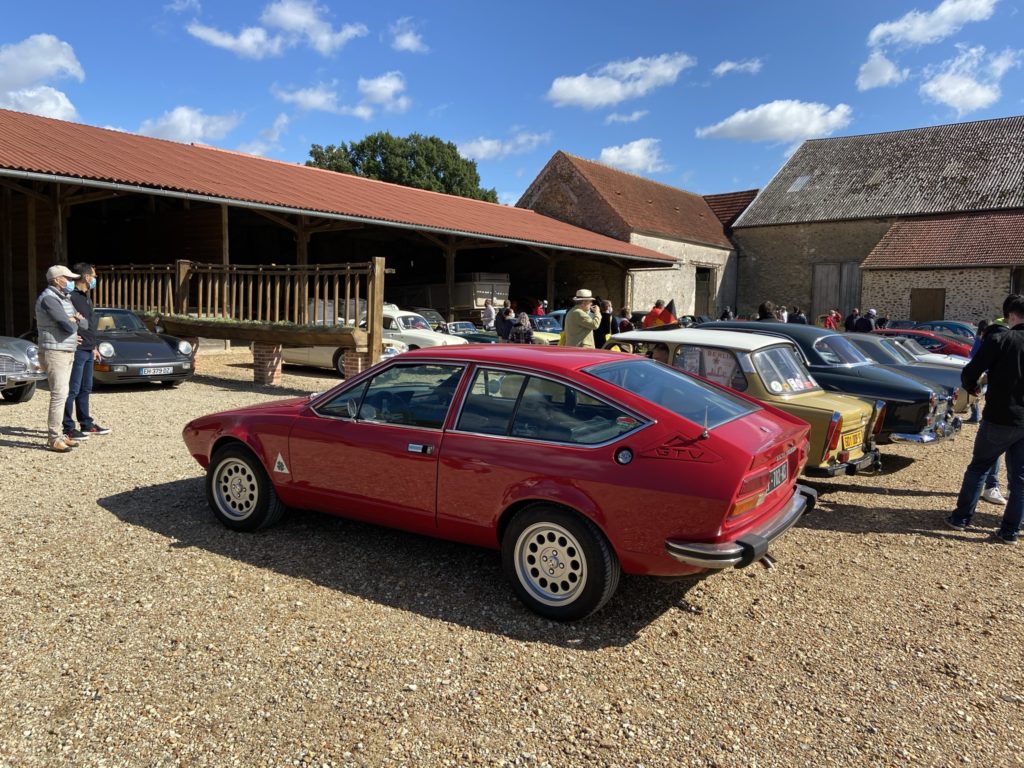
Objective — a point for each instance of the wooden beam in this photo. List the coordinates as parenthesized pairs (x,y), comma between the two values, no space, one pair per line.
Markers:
(467,244)
(334,226)
(449,276)
(7,255)
(375,308)
(28,191)
(438,241)
(57,211)
(90,197)
(31,260)
(302,242)
(225,249)
(279,220)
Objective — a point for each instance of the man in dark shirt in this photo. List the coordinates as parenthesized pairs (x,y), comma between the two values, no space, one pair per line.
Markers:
(866,322)
(81,369)
(851,319)
(1002,426)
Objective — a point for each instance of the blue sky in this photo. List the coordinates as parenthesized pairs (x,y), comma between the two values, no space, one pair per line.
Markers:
(707,96)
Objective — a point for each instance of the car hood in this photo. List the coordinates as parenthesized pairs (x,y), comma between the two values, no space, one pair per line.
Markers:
(15,347)
(129,342)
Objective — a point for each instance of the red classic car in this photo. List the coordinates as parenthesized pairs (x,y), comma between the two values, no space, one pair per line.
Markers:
(936,343)
(576,464)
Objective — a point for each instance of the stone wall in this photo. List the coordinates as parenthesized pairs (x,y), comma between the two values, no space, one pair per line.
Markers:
(776,263)
(646,286)
(971,294)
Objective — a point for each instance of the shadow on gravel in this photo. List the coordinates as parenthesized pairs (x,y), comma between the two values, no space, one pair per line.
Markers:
(438,579)
(20,437)
(853,518)
(234,385)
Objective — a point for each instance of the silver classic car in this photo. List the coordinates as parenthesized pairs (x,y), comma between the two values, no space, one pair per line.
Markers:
(19,369)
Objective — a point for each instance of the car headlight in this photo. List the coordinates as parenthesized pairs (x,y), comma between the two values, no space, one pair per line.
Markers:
(106,349)
(32,355)
(184,348)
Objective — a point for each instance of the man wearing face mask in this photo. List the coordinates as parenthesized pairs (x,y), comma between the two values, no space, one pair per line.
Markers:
(80,386)
(57,321)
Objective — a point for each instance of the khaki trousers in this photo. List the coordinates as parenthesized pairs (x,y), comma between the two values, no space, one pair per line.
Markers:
(58,370)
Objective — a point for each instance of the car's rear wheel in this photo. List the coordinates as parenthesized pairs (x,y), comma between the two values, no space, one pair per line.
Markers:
(560,564)
(19,394)
(240,492)
(339,362)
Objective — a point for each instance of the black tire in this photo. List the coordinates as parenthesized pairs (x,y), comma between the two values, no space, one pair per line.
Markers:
(339,362)
(20,394)
(582,569)
(172,384)
(239,491)
(413,346)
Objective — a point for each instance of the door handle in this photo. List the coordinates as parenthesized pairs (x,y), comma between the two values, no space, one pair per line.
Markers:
(420,448)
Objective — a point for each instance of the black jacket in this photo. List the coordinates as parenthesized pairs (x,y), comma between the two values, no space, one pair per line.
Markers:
(86,328)
(850,322)
(864,324)
(1002,355)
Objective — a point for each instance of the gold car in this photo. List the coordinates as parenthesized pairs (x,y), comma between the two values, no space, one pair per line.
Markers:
(771,369)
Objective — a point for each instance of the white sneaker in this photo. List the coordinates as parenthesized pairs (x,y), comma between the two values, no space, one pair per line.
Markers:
(993,496)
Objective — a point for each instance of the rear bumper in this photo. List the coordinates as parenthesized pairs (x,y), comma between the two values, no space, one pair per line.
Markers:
(939,432)
(872,458)
(752,545)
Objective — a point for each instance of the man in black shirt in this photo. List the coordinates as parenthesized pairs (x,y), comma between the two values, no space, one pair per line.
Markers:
(1002,425)
(851,319)
(81,370)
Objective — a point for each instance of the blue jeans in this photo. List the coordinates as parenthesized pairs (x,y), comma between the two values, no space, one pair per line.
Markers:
(992,441)
(78,394)
(992,478)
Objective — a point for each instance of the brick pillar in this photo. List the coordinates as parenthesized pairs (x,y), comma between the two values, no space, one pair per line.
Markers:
(356,362)
(266,363)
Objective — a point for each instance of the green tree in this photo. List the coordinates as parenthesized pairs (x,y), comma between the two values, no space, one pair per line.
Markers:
(424,162)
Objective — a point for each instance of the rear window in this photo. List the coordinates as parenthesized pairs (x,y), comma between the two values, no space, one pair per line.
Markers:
(719,365)
(835,350)
(674,390)
(782,371)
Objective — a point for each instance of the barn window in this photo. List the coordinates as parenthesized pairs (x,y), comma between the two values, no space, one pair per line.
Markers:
(798,183)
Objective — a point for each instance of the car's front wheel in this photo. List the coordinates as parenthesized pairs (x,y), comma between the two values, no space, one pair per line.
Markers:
(19,394)
(560,564)
(339,362)
(239,491)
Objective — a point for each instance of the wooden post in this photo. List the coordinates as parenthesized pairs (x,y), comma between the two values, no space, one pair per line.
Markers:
(375,308)
(58,209)
(549,287)
(449,276)
(225,258)
(302,242)
(31,260)
(182,272)
(7,253)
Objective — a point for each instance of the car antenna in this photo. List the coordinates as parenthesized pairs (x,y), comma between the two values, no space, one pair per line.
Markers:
(704,434)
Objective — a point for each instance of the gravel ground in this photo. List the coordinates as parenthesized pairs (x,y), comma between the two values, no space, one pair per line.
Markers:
(138,631)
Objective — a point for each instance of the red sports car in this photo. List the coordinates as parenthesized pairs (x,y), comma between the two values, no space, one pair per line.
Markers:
(576,464)
(936,343)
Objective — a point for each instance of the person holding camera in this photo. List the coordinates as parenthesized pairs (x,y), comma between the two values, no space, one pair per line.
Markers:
(582,320)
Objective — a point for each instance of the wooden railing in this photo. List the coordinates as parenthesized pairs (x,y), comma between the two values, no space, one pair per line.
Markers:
(319,294)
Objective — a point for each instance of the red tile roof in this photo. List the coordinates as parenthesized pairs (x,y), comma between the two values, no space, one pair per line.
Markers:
(962,241)
(54,148)
(729,205)
(652,208)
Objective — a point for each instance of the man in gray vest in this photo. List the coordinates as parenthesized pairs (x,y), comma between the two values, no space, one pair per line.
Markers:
(57,322)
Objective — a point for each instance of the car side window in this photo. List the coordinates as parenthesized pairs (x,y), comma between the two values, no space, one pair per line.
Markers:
(553,412)
(411,395)
(344,405)
(491,402)
(930,344)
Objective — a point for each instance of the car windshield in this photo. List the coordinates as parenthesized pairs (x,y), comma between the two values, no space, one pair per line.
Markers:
(897,349)
(544,323)
(674,390)
(117,320)
(835,350)
(782,370)
(413,323)
(912,347)
(461,327)
(879,353)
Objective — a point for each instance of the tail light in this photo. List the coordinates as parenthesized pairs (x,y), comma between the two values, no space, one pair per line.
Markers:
(835,429)
(754,487)
(880,418)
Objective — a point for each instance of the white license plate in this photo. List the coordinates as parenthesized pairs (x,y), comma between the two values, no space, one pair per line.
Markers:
(778,476)
(156,371)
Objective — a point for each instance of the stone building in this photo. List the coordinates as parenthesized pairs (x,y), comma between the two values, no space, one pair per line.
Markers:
(642,212)
(904,221)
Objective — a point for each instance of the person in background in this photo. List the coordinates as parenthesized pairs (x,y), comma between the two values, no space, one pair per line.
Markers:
(488,315)
(542,308)
(652,316)
(522,331)
(782,314)
(503,324)
(797,317)
(831,321)
(727,314)
(851,320)
(625,324)
(866,322)
(882,322)
(604,330)
(991,492)
(581,320)
(1002,426)
(659,353)
(766,312)
(80,383)
(57,322)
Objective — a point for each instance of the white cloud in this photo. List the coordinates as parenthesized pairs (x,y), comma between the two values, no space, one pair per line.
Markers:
(640,156)
(297,20)
(404,37)
(749,66)
(26,66)
(878,71)
(321,97)
(385,91)
(187,124)
(971,80)
(490,149)
(783,120)
(632,117)
(180,6)
(302,18)
(923,27)
(268,138)
(250,43)
(618,81)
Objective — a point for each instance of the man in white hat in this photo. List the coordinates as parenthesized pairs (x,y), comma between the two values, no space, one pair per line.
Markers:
(582,320)
(866,322)
(57,322)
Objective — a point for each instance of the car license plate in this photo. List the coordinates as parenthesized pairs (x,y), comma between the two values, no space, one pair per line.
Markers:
(778,476)
(156,371)
(851,440)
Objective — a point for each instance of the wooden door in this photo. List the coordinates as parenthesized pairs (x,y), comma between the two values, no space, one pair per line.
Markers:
(824,291)
(702,292)
(927,304)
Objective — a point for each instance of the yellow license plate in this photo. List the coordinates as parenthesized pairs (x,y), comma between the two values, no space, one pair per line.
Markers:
(851,440)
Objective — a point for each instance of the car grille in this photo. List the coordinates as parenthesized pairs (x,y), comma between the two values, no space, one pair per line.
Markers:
(9,365)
